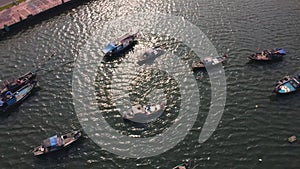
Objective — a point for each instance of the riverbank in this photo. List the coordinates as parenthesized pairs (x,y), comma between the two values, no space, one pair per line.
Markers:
(25,10)
(5,4)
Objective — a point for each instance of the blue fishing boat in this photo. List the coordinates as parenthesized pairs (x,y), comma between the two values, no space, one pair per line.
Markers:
(56,143)
(287,85)
(269,55)
(9,99)
(120,45)
(15,84)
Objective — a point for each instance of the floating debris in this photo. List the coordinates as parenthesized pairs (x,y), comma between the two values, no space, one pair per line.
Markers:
(292,139)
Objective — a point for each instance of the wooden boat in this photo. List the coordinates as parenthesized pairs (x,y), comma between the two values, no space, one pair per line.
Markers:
(209,61)
(150,55)
(269,55)
(16,84)
(185,165)
(144,113)
(287,85)
(10,100)
(56,143)
(120,45)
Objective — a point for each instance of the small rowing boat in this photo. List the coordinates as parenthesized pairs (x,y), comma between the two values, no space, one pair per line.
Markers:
(144,113)
(208,62)
(149,56)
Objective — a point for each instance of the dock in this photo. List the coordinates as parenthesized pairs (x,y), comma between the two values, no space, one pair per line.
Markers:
(24,10)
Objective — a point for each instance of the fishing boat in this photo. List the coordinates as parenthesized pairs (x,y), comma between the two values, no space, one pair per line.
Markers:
(209,61)
(150,55)
(144,113)
(185,165)
(120,45)
(15,84)
(268,55)
(56,143)
(287,85)
(9,100)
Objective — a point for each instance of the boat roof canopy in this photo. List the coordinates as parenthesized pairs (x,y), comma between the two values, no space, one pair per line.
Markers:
(109,48)
(281,51)
(52,141)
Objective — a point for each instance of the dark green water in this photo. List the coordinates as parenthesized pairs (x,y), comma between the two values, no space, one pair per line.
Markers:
(255,123)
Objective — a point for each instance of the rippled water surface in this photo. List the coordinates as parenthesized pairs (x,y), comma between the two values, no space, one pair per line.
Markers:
(255,123)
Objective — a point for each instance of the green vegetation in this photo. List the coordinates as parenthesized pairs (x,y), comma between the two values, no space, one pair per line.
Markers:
(10,5)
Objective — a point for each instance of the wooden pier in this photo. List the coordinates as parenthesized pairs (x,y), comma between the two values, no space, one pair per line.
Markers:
(22,11)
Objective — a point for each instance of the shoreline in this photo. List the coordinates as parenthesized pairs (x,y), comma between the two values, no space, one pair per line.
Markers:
(31,12)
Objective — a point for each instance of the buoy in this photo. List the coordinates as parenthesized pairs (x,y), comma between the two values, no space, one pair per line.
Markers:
(260,160)
(292,139)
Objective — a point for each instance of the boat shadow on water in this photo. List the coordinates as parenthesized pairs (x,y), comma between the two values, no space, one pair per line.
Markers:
(280,59)
(262,63)
(285,98)
(130,123)
(254,66)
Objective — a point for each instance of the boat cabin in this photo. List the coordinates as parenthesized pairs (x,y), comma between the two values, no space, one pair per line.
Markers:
(53,142)
(109,48)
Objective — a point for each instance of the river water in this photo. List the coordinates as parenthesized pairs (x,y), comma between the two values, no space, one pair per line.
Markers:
(255,123)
